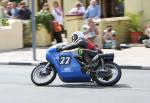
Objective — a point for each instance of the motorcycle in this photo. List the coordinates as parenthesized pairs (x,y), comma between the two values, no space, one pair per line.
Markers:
(71,68)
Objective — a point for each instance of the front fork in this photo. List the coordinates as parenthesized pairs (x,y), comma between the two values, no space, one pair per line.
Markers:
(45,69)
(102,63)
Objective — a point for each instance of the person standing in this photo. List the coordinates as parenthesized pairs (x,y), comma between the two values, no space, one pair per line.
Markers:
(24,12)
(14,10)
(57,12)
(58,16)
(5,10)
(93,11)
(45,8)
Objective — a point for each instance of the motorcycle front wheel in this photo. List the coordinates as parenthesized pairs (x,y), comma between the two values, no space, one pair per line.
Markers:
(42,79)
(113,75)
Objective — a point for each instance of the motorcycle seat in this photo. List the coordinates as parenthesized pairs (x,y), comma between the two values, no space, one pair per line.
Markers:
(106,55)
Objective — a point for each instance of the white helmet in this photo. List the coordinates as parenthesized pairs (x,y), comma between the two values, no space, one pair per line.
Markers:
(77,35)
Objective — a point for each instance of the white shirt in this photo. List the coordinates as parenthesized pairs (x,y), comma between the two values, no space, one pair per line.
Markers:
(76,10)
(105,33)
(58,18)
(89,34)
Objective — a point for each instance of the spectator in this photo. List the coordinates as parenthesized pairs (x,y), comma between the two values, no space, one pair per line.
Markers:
(24,12)
(78,9)
(93,11)
(14,10)
(91,31)
(57,12)
(147,30)
(58,15)
(6,9)
(109,37)
(147,33)
(45,8)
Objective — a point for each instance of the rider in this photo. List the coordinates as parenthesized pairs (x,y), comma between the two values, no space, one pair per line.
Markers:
(89,49)
(79,41)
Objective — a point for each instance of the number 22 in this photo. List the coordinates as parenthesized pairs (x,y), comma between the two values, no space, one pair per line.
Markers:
(65,60)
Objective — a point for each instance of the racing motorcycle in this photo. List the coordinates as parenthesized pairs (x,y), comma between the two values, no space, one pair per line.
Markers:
(71,68)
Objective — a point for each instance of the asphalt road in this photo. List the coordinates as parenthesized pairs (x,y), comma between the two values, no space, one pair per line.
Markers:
(16,87)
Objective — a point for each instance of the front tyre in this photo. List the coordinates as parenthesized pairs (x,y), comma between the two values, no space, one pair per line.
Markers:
(112,77)
(42,79)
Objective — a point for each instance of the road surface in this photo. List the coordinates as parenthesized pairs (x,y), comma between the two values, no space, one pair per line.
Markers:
(16,87)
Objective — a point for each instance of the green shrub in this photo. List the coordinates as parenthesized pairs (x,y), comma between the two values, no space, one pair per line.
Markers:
(135,22)
(4,22)
(44,20)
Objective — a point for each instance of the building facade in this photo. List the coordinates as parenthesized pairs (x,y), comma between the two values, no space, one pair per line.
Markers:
(113,12)
(110,8)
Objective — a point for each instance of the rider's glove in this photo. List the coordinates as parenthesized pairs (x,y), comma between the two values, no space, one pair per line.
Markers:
(59,49)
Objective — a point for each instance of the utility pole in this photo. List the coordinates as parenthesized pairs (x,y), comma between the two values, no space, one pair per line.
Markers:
(0,16)
(33,30)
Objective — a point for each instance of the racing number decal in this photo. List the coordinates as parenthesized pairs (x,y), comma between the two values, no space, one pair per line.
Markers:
(64,60)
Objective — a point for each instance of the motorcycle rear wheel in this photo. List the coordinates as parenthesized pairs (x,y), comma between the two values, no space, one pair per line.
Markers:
(38,79)
(112,79)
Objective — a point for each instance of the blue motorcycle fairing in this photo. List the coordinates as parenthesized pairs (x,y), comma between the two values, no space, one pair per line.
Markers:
(52,49)
(67,67)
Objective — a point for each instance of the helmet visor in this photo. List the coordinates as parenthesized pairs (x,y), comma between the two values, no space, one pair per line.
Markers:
(74,38)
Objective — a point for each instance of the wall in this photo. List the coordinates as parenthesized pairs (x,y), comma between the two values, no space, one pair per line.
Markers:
(11,37)
(43,38)
(146,10)
(133,6)
(120,25)
(72,24)
(138,6)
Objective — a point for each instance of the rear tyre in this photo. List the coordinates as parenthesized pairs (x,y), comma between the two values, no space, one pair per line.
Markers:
(41,79)
(112,78)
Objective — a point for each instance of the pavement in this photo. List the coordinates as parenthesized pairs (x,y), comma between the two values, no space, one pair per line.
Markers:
(136,57)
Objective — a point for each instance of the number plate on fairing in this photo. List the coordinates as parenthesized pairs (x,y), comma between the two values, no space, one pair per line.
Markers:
(64,60)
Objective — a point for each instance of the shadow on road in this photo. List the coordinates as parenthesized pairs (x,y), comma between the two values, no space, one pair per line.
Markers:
(89,86)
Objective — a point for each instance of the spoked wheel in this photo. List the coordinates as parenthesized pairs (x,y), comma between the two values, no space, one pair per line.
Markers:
(40,77)
(110,76)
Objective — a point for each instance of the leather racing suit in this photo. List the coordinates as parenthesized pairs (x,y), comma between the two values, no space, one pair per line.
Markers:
(89,49)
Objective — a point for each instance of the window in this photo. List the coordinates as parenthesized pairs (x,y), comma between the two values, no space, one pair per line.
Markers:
(112,8)
(119,8)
